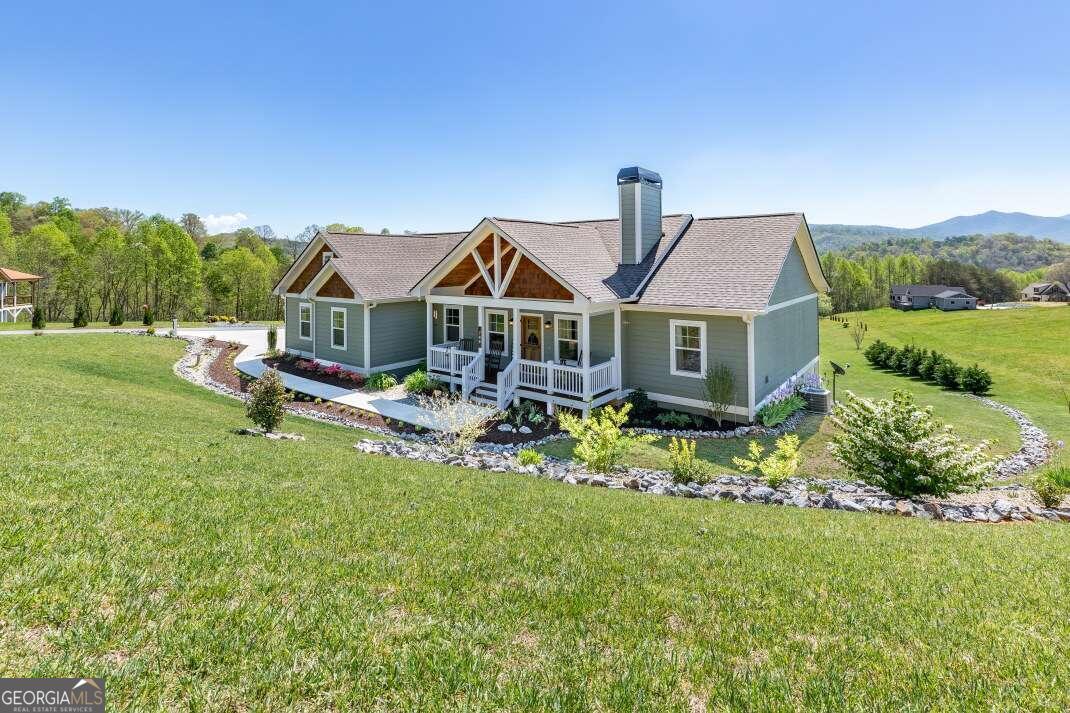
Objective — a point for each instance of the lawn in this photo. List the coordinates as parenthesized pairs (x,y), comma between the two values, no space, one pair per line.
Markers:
(196,569)
(1013,344)
(129,324)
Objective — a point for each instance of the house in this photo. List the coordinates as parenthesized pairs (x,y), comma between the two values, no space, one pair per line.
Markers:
(10,304)
(1046,292)
(571,313)
(943,297)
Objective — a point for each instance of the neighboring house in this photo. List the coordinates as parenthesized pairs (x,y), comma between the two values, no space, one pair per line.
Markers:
(909,297)
(571,313)
(11,306)
(1046,292)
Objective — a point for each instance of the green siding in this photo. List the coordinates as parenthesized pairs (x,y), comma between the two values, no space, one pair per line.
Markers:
(293,327)
(794,280)
(353,354)
(627,221)
(398,332)
(601,337)
(646,353)
(785,341)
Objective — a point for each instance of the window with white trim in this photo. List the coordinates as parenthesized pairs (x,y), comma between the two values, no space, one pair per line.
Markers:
(496,335)
(304,321)
(453,324)
(567,338)
(687,348)
(338,327)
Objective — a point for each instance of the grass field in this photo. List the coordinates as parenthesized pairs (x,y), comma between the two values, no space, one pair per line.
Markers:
(1015,345)
(131,324)
(196,569)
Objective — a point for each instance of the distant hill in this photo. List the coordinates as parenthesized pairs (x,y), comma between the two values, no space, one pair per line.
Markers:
(835,236)
(1015,252)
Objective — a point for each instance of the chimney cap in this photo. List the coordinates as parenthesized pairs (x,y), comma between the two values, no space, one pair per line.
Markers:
(637,174)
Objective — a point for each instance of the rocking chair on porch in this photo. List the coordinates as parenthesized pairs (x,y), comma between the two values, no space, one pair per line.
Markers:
(492,365)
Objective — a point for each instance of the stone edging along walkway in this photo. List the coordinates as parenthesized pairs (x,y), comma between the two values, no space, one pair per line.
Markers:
(831,494)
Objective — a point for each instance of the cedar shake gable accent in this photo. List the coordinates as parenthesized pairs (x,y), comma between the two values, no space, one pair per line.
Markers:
(335,286)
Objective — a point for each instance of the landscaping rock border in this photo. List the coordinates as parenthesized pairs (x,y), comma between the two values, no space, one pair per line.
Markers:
(831,494)
(1036,447)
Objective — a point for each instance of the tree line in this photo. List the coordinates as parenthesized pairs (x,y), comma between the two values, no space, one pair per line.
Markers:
(1020,253)
(104,259)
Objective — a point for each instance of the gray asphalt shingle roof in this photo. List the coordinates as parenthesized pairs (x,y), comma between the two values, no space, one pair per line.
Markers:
(387,266)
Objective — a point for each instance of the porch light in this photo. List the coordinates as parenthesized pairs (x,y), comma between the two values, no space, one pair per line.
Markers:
(434,314)
(548,324)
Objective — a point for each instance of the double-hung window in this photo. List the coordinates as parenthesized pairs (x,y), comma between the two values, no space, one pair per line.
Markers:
(453,324)
(496,341)
(568,339)
(304,320)
(687,348)
(338,327)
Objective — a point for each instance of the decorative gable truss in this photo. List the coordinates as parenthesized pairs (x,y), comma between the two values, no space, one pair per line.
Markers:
(489,264)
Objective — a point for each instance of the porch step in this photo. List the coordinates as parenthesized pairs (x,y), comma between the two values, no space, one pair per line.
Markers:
(485,394)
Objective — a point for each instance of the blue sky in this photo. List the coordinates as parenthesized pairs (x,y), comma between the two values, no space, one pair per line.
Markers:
(430,116)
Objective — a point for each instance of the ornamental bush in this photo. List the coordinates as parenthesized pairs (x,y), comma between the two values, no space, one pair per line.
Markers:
(777,412)
(600,441)
(780,465)
(975,380)
(418,382)
(528,456)
(381,381)
(643,409)
(272,338)
(116,318)
(148,318)
(899,447)
(267,397)
(928,367)
(81,319)
(947,375)
(38,320)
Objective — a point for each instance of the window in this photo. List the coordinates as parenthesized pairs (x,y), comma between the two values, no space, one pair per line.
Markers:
(687,348)
(453,324)
(496,341)
(338,327)
(304,319)
(567,340)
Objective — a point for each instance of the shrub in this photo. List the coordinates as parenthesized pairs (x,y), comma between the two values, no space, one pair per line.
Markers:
(895,445)
(915,360)
(460,424)
(685,466)
(875,352)
(777,412)
(947,374)
(975,380)
(267,398)
(673,419)
(780,465)
(148,318)
(1052,485)
(929,366)
(889,357)
(600,442)
(529,456)
(272,338)
(643,409)
(116,318)
(903,358)
(151,331)
(418,382)
(381,381)
(81,319)
(38,319)
(719,385)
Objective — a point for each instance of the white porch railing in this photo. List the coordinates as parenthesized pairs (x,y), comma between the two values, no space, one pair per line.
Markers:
(570,380)
(507,384)
(448,358)
(602,377)
(471,372)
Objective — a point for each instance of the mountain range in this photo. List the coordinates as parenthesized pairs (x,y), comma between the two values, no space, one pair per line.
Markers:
(839,236)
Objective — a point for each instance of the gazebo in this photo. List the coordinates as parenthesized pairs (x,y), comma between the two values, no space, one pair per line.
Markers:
(10,307)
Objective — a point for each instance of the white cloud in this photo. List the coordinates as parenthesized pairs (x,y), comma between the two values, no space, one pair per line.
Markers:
(224,223)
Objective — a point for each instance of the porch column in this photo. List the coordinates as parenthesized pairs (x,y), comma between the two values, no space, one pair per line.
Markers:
(585,357)
(480,328)
(516,332)
(617,368)
(430,330)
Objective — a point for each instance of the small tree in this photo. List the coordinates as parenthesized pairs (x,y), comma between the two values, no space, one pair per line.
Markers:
(148,317)
(780,465)
(272,339)
(600,442)
(858,334)
(897,446)
(720,386)
(81,318)
(947,374)
(116,318)
(38,320)
(975,380)
(267,398)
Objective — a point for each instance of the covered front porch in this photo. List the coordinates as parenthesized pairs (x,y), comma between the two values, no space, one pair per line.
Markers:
(498,351)
(12,305)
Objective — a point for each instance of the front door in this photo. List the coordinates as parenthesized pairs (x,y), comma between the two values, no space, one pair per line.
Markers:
(531,338)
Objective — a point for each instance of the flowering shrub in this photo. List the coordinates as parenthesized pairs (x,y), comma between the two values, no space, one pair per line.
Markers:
(781,405)
(895,445)
(811,381)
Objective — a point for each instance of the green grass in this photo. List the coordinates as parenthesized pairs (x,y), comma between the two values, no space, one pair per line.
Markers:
(129,324)
(197,569)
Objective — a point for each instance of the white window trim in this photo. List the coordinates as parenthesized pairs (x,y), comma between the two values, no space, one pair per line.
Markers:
(505,334)
(311,322)
(460,322)
(673,324)
(557,339)
(345,328)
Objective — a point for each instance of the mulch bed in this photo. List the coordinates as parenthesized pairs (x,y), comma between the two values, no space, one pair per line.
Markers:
(290,367)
